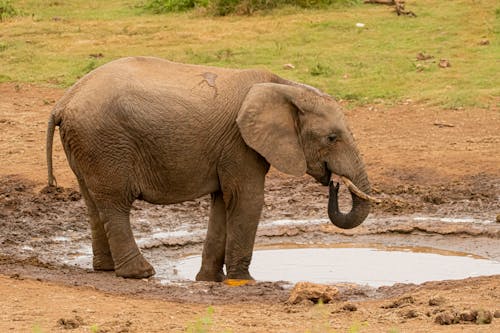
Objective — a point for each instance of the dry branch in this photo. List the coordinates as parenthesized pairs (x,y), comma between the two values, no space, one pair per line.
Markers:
(399,6)
(382,2)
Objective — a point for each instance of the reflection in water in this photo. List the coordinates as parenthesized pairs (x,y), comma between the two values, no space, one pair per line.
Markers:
(369,266)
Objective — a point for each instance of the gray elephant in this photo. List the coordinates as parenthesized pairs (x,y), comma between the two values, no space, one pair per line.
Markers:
(150,129)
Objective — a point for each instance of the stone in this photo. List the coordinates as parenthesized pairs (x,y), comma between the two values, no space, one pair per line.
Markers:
(468,316)
(403,301)
(349,307)
(444,63)
(307,291)
(409,314)
(70,323)
(446,318)
(437,301)
(483,316)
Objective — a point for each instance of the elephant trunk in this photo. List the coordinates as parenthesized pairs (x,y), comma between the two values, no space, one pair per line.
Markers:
(360,204)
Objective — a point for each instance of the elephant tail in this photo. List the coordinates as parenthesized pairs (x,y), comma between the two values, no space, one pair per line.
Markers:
(50,139)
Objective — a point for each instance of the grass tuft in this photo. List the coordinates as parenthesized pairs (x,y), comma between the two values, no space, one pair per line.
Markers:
(203,324)
(319,69)
(7,10)
(167,6)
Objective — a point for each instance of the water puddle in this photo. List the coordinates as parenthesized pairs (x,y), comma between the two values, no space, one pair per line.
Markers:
(452,220)
(366,266)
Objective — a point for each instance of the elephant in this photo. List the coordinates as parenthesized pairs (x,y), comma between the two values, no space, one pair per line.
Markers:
(145,128)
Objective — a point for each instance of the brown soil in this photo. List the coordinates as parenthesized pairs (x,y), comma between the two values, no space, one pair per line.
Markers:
(422,162)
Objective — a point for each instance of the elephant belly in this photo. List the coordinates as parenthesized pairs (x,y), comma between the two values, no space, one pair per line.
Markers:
(174,187)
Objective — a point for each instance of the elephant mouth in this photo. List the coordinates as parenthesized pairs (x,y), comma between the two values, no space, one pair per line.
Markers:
(325,179)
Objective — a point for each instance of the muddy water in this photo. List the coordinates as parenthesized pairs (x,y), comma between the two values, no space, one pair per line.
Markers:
(167,244)
(366,266)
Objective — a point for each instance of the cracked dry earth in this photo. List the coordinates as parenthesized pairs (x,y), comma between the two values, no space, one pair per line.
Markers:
(436,171)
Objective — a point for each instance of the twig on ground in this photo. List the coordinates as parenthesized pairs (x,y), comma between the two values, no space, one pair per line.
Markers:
(399,6)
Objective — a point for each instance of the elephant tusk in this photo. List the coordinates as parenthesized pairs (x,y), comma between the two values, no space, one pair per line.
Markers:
(357,191)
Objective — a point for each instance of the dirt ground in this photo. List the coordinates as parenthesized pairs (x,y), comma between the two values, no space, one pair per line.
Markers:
(425,163)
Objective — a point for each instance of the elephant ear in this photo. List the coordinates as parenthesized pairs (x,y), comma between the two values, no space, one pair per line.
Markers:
(267,121)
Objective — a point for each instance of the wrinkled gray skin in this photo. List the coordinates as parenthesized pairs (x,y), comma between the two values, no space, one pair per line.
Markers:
(164,132)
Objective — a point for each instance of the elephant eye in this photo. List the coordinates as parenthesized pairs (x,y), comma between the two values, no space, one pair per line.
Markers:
(332,138)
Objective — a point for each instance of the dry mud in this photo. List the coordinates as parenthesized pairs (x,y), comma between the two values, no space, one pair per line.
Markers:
(440,187)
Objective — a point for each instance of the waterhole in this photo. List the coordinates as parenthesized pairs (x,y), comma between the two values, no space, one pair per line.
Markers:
(365,266)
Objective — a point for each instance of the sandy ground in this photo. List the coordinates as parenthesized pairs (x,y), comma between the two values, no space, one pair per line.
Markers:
(423,162)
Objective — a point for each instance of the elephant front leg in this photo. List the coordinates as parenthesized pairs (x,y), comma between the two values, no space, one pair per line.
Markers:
(214,247)
(243,213)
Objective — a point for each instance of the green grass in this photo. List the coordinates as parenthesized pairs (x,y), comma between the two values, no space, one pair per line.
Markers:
(52,41)
(7,10)
(203,324)
(238,7)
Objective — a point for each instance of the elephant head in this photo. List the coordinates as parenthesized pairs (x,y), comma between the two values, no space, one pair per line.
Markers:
(298,130)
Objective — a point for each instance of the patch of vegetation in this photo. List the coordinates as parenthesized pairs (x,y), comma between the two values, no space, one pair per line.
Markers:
(320,69)
(7,10)
(203,324)
(36,329)
(95,329)
(357,327)
(166,6)
(239,7)
(90,66)
(393,330)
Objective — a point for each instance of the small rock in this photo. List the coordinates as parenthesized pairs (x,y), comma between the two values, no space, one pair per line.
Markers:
(496,314)
(498,218)
(468,316)
(443,63)
(349,307)
(399,302)
(360,25)
(483,316)
(288,66)
(446,318)
(484,42)
(307,291)
(96,55)
(70,323)
(423,56)
(437,301)
(409,314)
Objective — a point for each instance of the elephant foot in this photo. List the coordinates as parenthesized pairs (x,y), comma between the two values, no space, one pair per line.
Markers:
(135,268)
(215,276)
(103,263)
(239,276)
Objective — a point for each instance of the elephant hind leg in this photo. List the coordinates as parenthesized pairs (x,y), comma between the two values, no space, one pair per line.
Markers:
(102,259)
(127,258)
